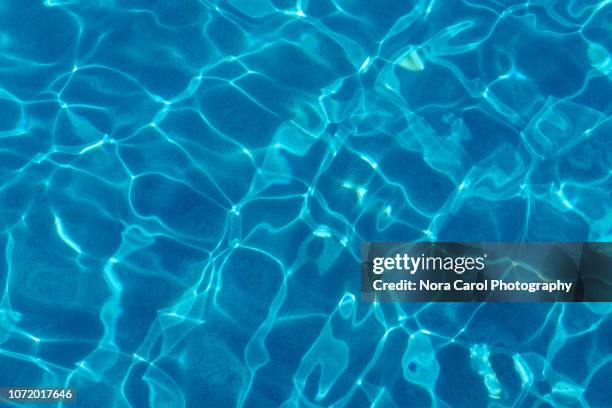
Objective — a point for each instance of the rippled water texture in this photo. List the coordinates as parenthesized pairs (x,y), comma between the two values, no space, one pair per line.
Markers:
(185,186)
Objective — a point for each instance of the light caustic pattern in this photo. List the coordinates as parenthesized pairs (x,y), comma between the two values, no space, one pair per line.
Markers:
(185,186)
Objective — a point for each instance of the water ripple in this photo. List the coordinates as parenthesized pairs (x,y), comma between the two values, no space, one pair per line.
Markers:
(185,185)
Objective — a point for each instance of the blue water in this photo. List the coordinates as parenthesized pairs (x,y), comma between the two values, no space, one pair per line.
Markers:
(185,186)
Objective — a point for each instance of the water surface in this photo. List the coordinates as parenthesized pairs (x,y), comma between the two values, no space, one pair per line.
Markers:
(185,186)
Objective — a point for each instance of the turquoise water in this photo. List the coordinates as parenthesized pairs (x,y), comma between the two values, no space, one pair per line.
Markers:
(185,186)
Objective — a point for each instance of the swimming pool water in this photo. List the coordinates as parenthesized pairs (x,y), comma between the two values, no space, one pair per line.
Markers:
(185,186)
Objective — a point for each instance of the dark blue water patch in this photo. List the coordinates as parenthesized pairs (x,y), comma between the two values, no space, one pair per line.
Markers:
(570,226)
(179,14)
(301,339)
(307,287)
(228,37)
(597,392)
(542,387)
(487,133)
(176,259)
(314,150)
(353,30)
(266,394)
(436,86)
(380,14)
(606,329)
(508,330)
(211,373)
(275,243)
(578,318)
(269,93)
(596,29)
(28,22)
(134,325)
(254,291)
(283,4)
(230,111)
(320,8)
(576,12)
(359,348)
(94,394)
(406,394)
(320,215)
(12,162)
(503,366)
(425,188)
(359,399)
(448,319)
(380,225)
(66,353)
(596,94)
(153,41)
(10,115)
(99,86)
(346,92)
(15,199)
(149,193)
(557,69)
(587,159)
(160,150)
(19,371)
(387,369)
(455,374)
(511,214)
(518,94)
(135,388)
(281,210)
(80,324)
(299,70)
(225,70)
(80,219)
(570,356)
